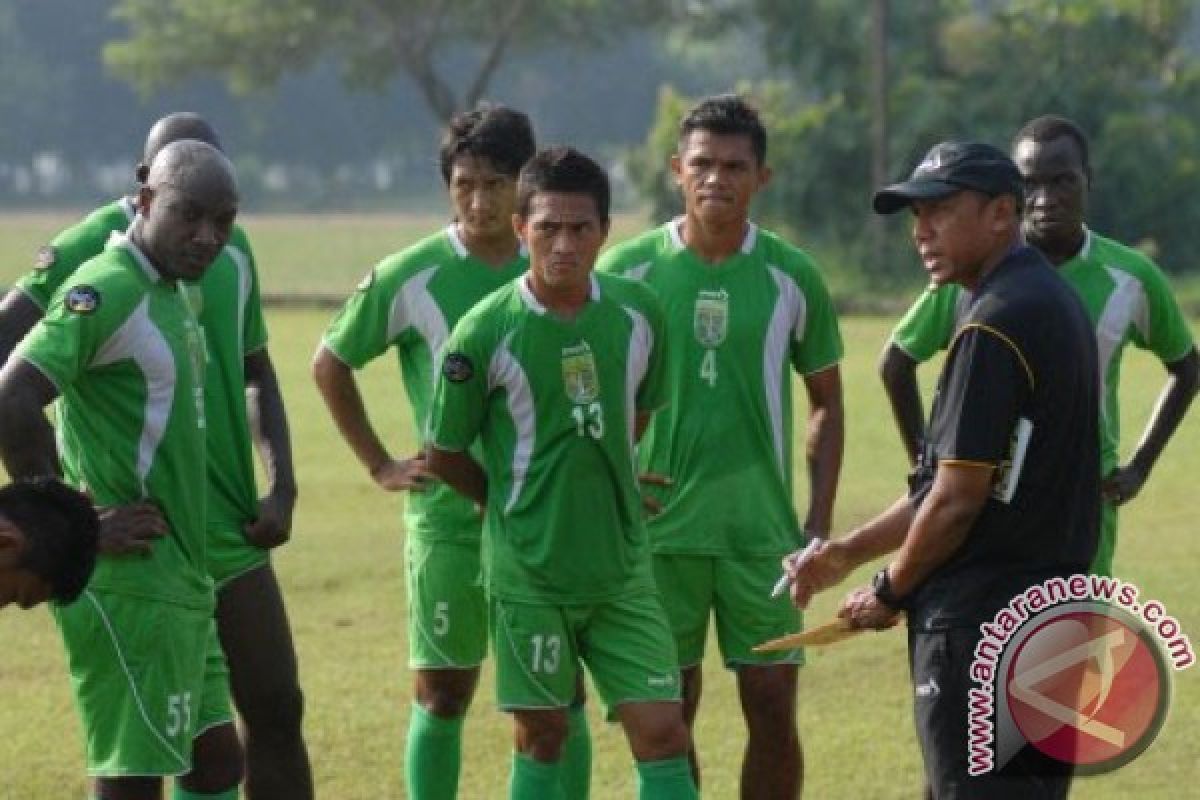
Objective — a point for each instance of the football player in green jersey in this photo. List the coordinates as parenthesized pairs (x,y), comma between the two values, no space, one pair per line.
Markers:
(121,346)
(47,542)
(1126,296)
(251,618)
(410,302)
(555,375)
(744,308)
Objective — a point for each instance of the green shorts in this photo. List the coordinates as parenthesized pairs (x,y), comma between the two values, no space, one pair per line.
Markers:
(230,555)
(138,671)
(1106,546)
(625,644)
(447,609)
(737,592)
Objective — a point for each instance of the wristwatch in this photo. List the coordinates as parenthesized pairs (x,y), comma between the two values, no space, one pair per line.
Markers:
(881,584)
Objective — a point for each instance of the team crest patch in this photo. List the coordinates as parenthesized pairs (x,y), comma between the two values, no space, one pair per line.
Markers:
(82,300)
(579,374)
(45,257)
(711,321)
(457,368)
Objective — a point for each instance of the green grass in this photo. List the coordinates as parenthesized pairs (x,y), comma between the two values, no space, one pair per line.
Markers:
(343,579)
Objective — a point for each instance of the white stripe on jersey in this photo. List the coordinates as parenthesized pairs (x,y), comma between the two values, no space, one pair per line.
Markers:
(414,306)
(242,261)
(140,340)
(786,325)
(641,342)
(504,372)
(1126,305)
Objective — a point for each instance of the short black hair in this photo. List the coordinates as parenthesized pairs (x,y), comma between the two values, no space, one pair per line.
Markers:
(497,133)
(727,114)
(60,528)
(563,169)
(1051,126)
(174,127)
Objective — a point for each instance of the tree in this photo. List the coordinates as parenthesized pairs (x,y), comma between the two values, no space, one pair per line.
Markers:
(435,43)
(968,69)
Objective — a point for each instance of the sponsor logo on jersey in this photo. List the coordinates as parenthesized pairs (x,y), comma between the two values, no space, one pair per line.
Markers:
(457,368)
(82,300)
(711,321)
(45,257)
(579,374)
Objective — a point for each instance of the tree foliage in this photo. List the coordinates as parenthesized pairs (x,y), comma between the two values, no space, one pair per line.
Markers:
(253,43)
(968,69)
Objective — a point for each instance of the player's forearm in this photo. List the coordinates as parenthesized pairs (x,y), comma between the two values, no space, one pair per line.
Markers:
(26,438)
(938,530)
(898,372)
(18,315)
(338,388)
(882,535)
(460,472)
(271,432)
(1173,403)
(826,441)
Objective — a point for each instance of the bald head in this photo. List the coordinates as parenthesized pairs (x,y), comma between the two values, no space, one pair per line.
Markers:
(187,203)
(173,128)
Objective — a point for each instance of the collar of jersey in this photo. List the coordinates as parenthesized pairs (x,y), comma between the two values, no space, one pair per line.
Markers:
(536,307)
(118,239)
(460,248)
(675,229)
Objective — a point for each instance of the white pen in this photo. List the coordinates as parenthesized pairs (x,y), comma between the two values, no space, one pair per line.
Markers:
(785,580)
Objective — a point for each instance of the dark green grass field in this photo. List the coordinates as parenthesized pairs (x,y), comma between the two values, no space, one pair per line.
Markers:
(343,578)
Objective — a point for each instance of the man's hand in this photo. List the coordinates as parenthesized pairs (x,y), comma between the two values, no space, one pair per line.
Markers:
(864,610)
(814,568)
(273,525)
(409,474)
(649,502)
(1123,484)
(130,529)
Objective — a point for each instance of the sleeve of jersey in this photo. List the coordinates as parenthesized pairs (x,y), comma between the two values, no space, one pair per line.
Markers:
(63,342)
(254,325)
(62,257)
(1167,334)
(819,345)
(652,393)
(460,393)
(359,333)
(980,397)
(928,325)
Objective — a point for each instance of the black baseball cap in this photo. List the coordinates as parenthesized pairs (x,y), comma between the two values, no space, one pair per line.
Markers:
(950,167)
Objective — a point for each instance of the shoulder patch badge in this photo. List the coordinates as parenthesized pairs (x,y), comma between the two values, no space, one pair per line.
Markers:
(457,368)
(82,299)
(45,257)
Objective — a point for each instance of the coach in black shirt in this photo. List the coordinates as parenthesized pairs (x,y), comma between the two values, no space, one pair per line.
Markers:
(1006,489)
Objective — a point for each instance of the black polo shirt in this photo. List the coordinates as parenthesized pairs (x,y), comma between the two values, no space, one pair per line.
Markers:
(1019,390)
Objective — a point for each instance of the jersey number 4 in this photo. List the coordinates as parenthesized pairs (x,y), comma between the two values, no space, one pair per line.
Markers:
(708,368)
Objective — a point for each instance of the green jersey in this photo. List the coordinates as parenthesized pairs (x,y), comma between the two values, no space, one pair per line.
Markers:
(411,301)
(1127,299)
(554,403)
(725,438)
(230,311)
(125,350)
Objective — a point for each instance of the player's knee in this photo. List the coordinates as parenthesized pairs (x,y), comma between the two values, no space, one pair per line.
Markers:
(444,696)
(218,763)
(661,739)
(273,711)
(541,735)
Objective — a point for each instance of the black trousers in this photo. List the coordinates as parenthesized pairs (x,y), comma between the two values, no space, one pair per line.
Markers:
(941,663)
